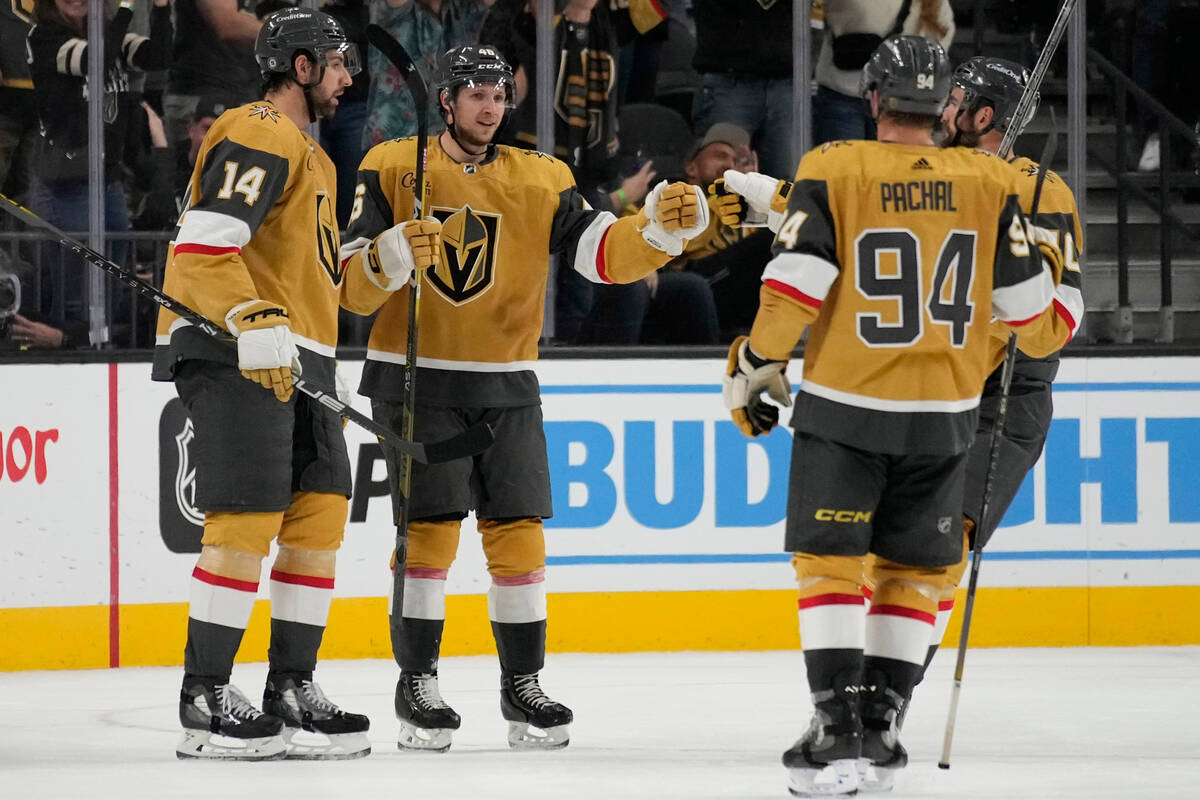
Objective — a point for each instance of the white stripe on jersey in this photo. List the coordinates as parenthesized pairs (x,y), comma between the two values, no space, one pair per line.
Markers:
(1072,300)
(881,404)
(804,272)
(350,248)
(588,248)
(213,229)
(459,366)
(329,351)
(1024,300)
(130,46)
(69,60)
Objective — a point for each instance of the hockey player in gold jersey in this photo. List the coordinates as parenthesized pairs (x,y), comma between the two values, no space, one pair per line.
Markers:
(502,212)
(981,108)
(257,252)
(896,255)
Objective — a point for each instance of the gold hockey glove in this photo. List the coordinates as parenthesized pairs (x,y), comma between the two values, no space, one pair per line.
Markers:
(267,354)
(747,376)
(395,253)
(726,205)
(672,215)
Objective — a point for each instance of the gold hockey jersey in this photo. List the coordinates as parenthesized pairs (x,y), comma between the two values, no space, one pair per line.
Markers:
(899,256)
(480,314)
(260,224)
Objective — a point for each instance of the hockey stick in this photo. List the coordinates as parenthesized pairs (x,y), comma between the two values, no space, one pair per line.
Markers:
(395,53)
(1010,359)
(469,442)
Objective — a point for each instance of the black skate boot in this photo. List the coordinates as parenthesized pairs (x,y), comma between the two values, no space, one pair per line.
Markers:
(882,710)
(823,761)
(302,706)
(535,722)
(426,721)
(208,709)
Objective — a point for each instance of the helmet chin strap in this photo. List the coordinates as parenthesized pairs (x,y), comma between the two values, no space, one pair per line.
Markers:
(454,135)
(307,88)
(961,137)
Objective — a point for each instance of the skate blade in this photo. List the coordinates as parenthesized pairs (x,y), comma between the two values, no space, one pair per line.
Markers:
(873,779)
(305,745)
(523,736)
(204,744)
(838,779)
(429,740)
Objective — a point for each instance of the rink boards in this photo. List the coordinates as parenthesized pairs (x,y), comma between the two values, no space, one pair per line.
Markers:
(667,530)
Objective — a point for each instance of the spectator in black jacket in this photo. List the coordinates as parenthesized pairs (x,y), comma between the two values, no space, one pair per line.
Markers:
(58,50)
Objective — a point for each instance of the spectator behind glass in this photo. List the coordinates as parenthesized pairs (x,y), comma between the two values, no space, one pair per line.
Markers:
(58,51)
(18,111)
(853,29)
(426,29)
(728,258)
(744,53)
(342,136)
(587,37)
(215,57)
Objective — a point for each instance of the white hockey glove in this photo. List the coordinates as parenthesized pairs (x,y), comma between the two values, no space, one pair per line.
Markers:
(765,195)
(747,376)
(395,253)
(673,214)
(266,353)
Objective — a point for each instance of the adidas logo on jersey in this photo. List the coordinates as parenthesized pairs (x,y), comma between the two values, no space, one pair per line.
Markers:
(921,163)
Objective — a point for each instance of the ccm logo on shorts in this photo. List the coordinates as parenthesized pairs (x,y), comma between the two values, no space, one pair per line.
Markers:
(841,515)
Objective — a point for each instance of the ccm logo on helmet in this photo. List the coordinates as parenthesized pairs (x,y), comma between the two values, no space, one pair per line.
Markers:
(841,515)
(21,450)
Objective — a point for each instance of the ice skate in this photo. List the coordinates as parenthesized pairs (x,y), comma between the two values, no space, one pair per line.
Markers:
(822,762)
(882,754)
(426,721)
(535,722)
(314,728)
(219,723)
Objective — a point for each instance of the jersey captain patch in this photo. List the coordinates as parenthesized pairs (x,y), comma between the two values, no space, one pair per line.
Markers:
(469,240)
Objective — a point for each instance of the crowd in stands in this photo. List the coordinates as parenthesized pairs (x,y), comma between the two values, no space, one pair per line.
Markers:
(645,90)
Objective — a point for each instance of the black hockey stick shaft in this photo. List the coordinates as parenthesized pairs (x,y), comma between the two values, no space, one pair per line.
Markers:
(1006,376)
(1029,96)
(469,442)
(400,59)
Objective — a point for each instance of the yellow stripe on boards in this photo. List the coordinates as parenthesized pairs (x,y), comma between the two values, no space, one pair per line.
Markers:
(613,622)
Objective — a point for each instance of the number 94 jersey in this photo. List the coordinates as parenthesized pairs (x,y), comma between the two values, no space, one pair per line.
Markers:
(899,257)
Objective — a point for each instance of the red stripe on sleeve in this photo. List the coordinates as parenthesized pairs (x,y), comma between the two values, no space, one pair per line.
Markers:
(903,611)
(205,249)
(793,292)
(301,580)
(205,576)
(945,605)
(658,9)
(1066,315)
(601,269)
(831,600)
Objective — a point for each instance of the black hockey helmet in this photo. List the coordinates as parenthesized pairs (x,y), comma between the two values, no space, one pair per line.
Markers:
(290,31)
(475,65)
(911,74)
(995,82)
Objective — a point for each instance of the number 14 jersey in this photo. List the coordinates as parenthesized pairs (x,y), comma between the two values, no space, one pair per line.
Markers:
(899,257)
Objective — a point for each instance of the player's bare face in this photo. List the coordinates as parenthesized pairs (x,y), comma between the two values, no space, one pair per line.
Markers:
(337,77)
(478,111)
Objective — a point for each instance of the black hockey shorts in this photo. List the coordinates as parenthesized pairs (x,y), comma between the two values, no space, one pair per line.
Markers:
(1026,422)
(251,452)
(511,479)
(848,502)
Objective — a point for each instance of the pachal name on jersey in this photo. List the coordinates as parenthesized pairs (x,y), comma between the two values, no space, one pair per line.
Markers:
(917,196)
(469,243)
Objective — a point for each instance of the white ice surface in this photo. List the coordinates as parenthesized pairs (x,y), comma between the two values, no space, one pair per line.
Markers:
(1033,723)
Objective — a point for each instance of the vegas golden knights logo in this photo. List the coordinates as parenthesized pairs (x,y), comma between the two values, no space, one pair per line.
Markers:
(327,239)
(469,242)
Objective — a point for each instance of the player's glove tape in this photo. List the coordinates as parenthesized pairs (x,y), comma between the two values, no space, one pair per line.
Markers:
(747,376)
(673,214)
(395,253)
(767,196)
(267,353)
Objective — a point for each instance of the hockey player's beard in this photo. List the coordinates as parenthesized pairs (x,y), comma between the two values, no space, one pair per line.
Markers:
(963,138)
